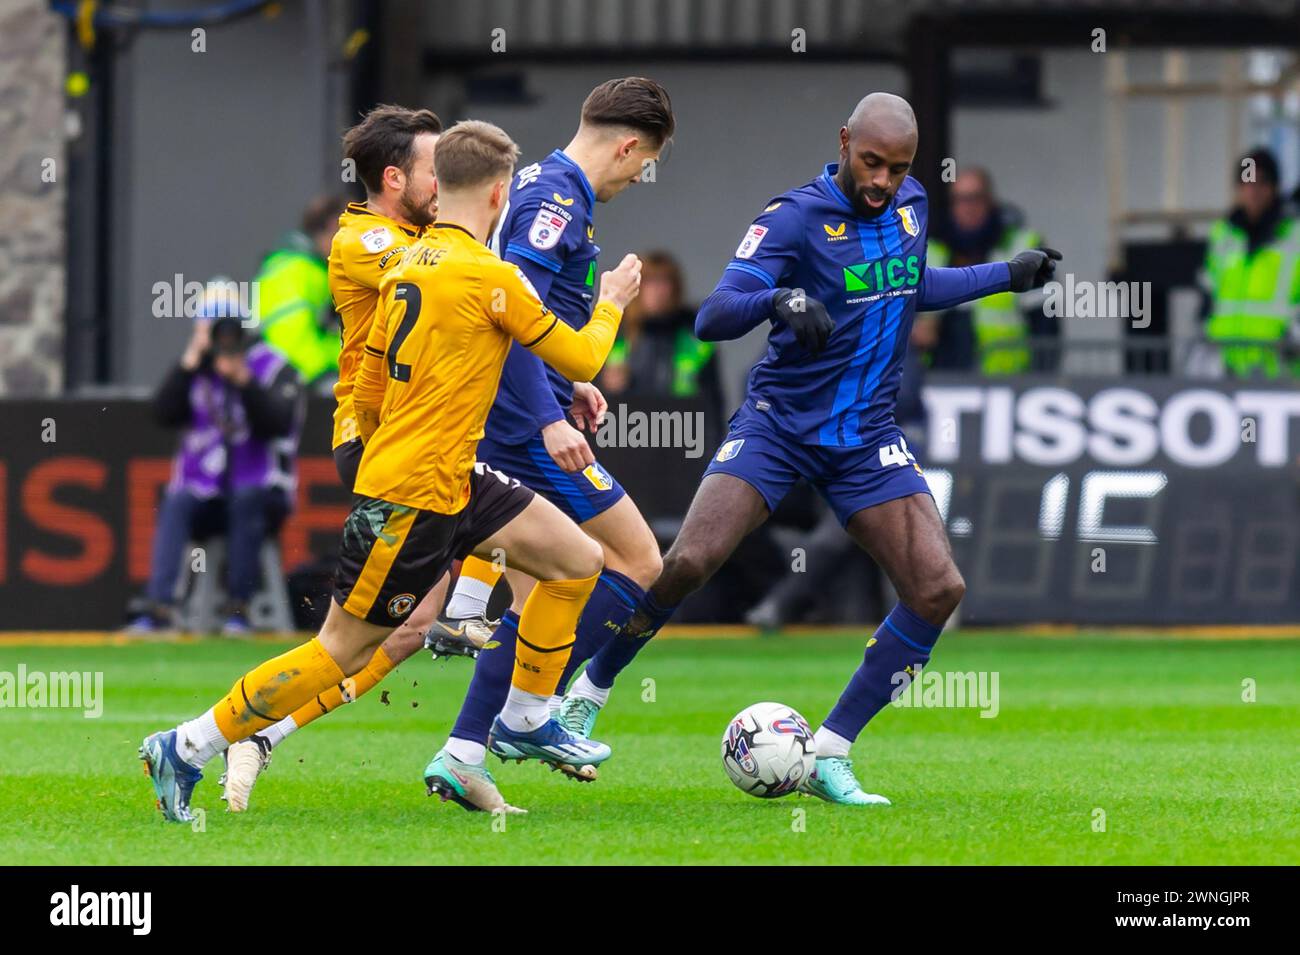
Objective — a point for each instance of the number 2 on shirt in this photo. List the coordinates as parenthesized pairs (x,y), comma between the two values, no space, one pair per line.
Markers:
(408,293)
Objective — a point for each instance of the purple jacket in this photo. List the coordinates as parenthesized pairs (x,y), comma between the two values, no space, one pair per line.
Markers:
(235,438)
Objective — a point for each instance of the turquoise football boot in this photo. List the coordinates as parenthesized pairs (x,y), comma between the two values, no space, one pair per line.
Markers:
(468,785)
(832,779)
(578,715)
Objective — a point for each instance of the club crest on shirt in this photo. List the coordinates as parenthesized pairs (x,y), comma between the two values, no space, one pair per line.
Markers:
(729,449)
(911,225)
(749,244)
(401,605)
(376,239)
(546,230)
(598,477)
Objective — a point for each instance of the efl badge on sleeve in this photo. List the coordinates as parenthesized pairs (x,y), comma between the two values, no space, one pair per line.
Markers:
(546,231)
(377,239)
(749,244)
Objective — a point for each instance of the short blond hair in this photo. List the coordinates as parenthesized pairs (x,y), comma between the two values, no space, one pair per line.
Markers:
(473,152)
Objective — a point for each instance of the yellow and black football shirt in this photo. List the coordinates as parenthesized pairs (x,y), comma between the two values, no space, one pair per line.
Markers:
(365,247)
(431,365)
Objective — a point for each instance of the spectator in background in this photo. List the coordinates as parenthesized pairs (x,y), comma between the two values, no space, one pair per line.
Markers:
(656,353)
(240,407)
(1252,273)
(296,316)
(991,335)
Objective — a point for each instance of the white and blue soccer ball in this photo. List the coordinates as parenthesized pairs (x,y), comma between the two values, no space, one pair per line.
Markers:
(768,750)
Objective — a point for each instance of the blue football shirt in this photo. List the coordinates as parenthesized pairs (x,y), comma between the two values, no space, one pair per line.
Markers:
(868,274)
(546,229)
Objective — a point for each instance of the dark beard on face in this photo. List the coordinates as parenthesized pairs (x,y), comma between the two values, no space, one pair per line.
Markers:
(417,214)
(850,189)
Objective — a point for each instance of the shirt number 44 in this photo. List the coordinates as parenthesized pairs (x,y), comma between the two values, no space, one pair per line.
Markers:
(898,454)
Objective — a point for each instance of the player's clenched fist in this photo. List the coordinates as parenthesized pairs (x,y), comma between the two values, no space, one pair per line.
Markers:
(622,284)
(566,446)
(806,316)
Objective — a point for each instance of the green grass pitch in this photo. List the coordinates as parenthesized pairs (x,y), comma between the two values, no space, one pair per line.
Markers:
(1153,733)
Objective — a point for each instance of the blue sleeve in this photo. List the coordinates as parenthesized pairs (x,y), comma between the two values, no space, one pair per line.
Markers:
(771,246)
(525,372)
(741,301)
(762,262)
(540,230)
(945,288)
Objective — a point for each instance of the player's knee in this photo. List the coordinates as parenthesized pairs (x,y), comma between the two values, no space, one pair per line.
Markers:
(688,567)
(580,559)
(645,566)
(636,556)
(953,590)
(352,659)
(938,596)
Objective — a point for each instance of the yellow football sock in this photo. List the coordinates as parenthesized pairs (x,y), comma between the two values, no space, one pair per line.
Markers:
(347,690)
(546,632)
(265,694)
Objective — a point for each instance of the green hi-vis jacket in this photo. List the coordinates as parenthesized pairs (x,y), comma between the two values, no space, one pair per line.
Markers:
(1254,296)
(1001,332)
(294,308)
(689,356)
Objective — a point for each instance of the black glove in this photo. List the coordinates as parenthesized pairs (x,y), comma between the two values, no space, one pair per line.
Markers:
(806,317)
(1033,269)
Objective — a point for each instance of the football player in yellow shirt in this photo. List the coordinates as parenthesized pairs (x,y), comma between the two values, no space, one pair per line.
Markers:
(430,370)
(392,152)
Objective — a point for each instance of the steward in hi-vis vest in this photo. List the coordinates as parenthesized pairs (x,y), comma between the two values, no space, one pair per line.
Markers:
(1251,278)
(993,334)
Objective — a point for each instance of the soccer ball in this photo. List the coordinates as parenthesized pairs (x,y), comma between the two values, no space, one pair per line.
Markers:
(768,750)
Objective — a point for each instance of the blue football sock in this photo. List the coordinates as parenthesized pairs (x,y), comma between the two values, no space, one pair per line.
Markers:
(616,654)
(610,606)
(490,684)
(903,640)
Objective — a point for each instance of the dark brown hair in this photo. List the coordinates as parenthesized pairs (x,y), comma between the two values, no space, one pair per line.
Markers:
(472,152)
(633,101)
(663,263)
(383,138)
(322,212)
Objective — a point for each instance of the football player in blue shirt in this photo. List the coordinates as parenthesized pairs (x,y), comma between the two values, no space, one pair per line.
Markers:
(546,230)
(838,268)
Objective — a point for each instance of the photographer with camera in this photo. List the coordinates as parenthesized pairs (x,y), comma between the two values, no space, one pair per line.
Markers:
(240,405)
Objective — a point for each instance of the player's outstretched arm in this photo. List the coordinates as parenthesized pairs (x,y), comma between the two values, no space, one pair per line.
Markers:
(948,287)
(577,355)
